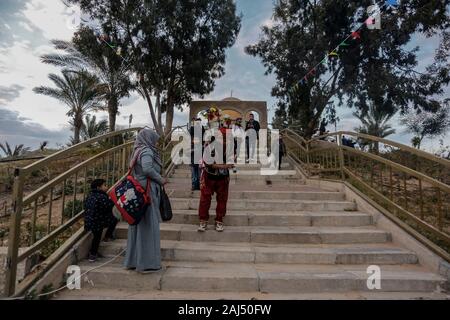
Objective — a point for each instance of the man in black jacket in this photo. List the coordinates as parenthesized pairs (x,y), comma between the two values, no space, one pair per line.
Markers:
(196,146)
(251,143)
(282,151)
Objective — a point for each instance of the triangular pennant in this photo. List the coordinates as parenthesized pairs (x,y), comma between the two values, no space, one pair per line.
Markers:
(333,54)
(343,44)
(392,2)
(312,72)
(356,35)
(370,21)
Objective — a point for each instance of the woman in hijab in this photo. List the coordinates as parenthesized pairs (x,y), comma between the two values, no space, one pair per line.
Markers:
(143,246)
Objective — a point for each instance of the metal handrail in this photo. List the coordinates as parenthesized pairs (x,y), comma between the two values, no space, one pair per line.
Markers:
(115,159)
(38,192)
(335,157)
(398,145)
(419,175)
(60,154)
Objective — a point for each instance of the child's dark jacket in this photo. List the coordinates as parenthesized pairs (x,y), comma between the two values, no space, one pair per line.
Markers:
(98,211)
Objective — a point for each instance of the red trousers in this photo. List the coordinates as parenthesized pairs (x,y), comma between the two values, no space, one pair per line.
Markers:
(207,188)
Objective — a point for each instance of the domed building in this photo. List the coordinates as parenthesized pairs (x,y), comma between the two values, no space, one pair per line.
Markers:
(233,107)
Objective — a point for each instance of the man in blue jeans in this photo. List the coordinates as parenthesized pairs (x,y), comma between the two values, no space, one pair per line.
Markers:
(196,146)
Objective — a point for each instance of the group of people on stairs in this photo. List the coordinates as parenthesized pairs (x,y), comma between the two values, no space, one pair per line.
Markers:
(143,252)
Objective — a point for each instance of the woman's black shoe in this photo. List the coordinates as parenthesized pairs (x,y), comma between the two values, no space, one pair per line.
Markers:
(146,271)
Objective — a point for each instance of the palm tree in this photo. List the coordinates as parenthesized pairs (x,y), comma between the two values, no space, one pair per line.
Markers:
(80,91)
(18,150)
(86,52)
(91,128)
(375,122)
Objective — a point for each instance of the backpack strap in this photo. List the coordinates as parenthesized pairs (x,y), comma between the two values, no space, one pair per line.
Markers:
(133,164)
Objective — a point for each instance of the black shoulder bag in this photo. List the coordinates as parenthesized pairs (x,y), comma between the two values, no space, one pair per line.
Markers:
(165,207)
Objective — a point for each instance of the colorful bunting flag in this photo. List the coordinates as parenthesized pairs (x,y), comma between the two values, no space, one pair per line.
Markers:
(333,54)
(356,35)
(392,3)
(370,21)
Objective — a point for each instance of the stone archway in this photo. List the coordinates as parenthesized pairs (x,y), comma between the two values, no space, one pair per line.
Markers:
(233,104)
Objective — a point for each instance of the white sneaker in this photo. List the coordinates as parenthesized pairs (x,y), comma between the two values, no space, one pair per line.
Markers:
(219,227)
(203,226)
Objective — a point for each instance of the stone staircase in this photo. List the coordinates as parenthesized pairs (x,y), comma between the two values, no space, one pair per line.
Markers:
(283,240)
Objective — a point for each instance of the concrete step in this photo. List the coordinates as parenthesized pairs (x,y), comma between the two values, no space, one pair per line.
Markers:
(272,235)
(240,171)
(280,218)
(269,205)
(239,166)
(261,181)
(263,195)
(281,254)
(249,175)
(270,278)
(88,293)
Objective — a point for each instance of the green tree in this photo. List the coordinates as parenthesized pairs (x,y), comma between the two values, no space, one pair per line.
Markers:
(175,48)
(80,91)
(375,122)
(91,128)
(427,124)
(88,52)
(372,67)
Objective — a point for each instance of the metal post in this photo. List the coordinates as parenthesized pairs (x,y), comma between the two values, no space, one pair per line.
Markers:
(14,234)
(341,156)
(308,160)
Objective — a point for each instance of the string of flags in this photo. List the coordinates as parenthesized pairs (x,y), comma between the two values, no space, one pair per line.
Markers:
(355,35)
(118,50)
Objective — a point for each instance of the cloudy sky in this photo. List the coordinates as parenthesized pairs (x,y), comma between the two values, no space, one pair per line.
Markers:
(27,26)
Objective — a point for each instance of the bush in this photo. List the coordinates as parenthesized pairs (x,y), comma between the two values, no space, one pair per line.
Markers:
(69,208)
(68,189)
(7,181)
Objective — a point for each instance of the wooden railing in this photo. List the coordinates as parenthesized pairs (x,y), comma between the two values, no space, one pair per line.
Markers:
(51,213)
(409,183)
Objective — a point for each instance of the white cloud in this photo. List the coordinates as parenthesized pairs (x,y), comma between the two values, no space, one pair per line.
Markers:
(26,26)
(50,17)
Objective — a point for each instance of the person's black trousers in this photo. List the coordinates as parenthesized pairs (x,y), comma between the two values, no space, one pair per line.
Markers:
(98,236)
(96,242)
(195,170)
